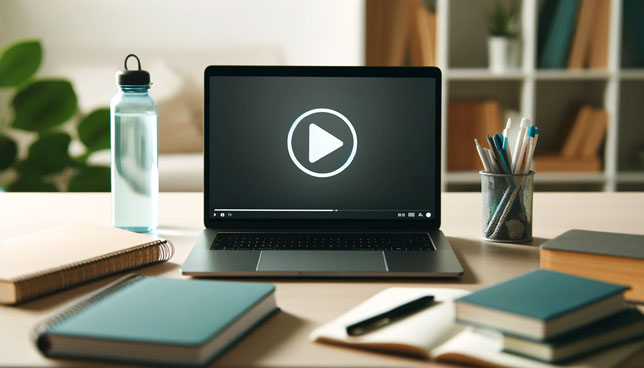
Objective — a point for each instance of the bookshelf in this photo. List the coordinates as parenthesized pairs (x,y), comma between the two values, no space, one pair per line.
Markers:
(546,96)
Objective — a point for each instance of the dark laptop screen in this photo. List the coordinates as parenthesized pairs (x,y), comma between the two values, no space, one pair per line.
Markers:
(322,147)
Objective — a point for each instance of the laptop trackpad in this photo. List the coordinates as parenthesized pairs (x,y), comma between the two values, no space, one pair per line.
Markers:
(321,261)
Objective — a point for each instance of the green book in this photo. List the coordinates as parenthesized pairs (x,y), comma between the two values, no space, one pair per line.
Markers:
(622,327)
(157,320)
(541,304)
(554,49)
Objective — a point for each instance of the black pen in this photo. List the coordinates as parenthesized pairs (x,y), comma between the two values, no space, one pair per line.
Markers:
(385,318)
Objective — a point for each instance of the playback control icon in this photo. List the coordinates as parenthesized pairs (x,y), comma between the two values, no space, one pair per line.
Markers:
(322,142)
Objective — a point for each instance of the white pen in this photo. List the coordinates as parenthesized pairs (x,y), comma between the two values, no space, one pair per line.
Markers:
(483,156)
(525,122)
(507,128)
(530,149)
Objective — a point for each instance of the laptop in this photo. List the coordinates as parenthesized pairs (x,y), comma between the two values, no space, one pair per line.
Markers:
(322,171)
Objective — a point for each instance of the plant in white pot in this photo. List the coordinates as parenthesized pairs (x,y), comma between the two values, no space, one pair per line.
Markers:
(503,41)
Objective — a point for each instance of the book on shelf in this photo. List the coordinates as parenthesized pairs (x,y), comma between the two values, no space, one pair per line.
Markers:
(156,320)
(469,120)
(432,334)
(541,304)
(556,28)
(556,162)
(422,50)
(615,329)
(590,43)
(52,259)
(598,53)
(632,34)
(579,50)
(612,257)
(388,31)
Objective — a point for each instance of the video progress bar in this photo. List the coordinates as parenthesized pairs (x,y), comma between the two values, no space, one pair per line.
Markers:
(270,210)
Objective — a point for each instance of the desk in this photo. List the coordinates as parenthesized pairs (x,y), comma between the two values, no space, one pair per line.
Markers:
(306,304)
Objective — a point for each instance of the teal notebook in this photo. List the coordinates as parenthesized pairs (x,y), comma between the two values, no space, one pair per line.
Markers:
(541,304)
(157,320)
(554,49)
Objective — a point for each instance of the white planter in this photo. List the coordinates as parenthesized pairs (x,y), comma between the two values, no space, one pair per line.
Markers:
(503,53)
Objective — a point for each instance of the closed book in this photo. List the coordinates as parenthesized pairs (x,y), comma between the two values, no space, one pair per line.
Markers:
(156,320)
(625,326)
(611,257)
(52,259)
(541,304)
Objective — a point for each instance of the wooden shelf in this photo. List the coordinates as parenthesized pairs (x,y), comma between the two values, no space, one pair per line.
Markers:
(572,75)
(632,74)
(630,177)
(483,74)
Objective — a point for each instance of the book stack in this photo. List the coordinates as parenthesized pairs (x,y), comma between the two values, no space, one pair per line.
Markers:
(580,151)
(573,34)
(472,119)
(553,317)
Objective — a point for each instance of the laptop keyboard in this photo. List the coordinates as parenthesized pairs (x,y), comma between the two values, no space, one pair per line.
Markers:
(323,241)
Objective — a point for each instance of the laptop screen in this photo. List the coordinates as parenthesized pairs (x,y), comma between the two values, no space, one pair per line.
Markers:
(314,143)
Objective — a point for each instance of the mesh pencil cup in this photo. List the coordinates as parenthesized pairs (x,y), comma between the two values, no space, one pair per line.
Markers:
(507,206)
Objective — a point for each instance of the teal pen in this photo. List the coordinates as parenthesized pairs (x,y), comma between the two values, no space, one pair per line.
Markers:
(498,142)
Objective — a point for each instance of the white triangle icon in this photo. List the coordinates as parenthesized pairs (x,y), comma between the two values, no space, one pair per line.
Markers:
(321,143)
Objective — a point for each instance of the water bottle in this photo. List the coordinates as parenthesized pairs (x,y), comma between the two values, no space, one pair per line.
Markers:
(135,172)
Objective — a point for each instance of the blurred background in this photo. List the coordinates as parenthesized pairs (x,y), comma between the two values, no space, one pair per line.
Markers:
(576,68)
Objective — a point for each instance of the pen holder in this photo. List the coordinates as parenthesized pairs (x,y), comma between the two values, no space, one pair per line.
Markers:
(507,206)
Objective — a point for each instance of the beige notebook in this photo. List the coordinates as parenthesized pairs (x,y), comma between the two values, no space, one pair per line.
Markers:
(52,259)
(432,334)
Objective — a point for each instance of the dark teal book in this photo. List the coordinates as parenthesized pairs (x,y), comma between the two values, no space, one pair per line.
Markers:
(541,304)
(156,320)
(619,328)
(555,46)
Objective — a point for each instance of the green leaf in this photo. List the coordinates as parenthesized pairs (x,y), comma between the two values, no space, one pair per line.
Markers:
(94,130)
(91,179)
(43,105)
(47,155)
(30,183)
(19,62)
(8,152)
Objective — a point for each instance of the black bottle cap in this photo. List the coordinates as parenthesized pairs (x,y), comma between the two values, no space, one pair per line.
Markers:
(132,77)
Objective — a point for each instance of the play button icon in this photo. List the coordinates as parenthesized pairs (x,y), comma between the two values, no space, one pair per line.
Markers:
(321,143)
(332,142)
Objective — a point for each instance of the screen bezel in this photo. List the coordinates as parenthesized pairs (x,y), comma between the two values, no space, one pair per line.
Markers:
(323,71)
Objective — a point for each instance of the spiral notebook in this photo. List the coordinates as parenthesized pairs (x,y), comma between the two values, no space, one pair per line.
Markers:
(52,259)
(157,320)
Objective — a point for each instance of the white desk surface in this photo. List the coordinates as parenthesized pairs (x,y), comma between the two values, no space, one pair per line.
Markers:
(306,303)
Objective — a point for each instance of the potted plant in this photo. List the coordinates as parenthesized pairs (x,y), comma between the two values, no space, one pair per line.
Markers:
(503,41)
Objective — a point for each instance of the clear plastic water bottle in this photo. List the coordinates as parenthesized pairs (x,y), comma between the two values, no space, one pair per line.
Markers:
(135,172)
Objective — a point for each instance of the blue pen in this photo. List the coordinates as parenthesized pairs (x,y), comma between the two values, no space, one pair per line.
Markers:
(498,142)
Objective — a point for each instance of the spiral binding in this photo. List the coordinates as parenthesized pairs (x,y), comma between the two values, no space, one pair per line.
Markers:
(39,336)
(166,251)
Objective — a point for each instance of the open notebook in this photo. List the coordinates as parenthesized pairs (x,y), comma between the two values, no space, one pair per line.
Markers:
(432,334)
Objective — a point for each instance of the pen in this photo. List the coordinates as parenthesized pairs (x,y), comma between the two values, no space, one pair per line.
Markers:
(495,153)
(479,149)
(506,146)
(530,149)
(490,158)
(392,315)
(498,140)
(519,147)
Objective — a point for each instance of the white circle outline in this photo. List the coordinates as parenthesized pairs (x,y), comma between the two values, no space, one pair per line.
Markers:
(297,163)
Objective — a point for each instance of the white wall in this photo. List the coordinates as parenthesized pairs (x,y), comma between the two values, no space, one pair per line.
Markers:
(313,32)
